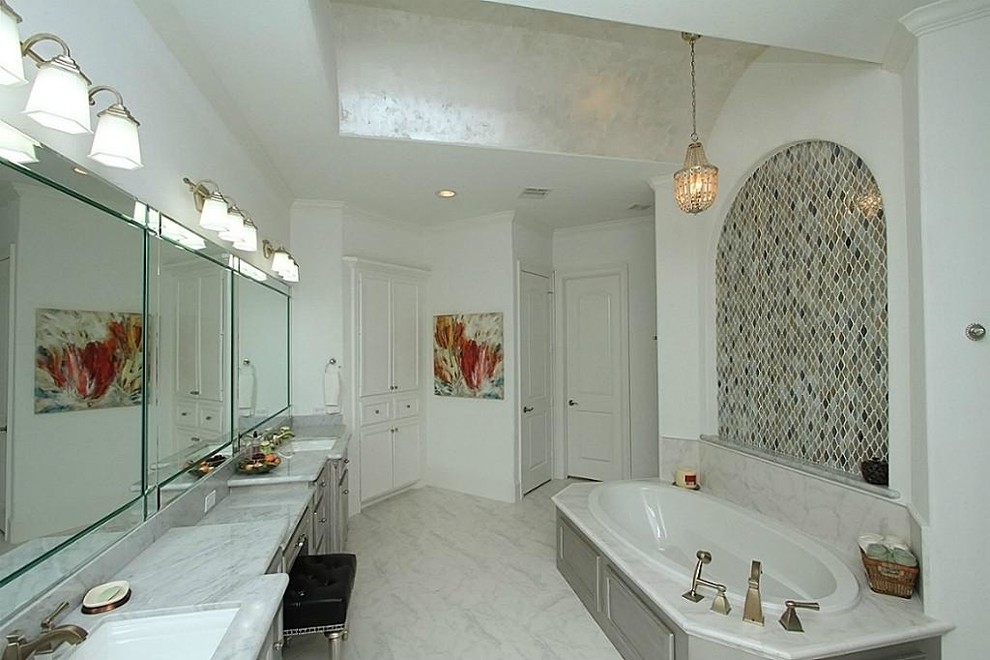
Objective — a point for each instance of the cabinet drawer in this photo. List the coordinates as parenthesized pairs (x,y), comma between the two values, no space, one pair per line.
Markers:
(372,413)
(185,413)
(407,406)
(210,418)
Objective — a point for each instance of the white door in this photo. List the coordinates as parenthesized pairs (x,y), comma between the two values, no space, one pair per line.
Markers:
(187,336)
(534,380)
(405,336)
(595,366)
(373,335)
(5,319)
(211,334)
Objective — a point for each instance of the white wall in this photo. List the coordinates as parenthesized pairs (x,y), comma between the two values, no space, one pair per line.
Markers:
(181,133)
(954,167)
(316,328)
(783,98)
(69,468)
(471,443)
(629,242)
(262,339)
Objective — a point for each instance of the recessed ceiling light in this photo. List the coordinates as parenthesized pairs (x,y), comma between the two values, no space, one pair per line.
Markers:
(446,194)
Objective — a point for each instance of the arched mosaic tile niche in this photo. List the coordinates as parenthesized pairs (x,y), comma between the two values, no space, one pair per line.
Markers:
(801,310)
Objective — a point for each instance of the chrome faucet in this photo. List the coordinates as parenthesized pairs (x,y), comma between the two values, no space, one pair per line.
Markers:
(19,648)
(753,609)
(720,603)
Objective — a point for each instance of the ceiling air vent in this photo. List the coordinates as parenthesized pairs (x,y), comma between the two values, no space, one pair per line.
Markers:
(640,207)
(534,193)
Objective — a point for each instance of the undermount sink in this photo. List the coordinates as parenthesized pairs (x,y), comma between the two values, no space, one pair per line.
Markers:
(312,444)
(189,635)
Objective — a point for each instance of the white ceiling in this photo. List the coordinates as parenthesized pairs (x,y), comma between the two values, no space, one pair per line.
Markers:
(273,77)
(854,29)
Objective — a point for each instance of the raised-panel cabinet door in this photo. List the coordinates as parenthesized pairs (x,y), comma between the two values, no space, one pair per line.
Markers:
(373,336)
(211,330)
(376,463)
(405,335)
(406,454)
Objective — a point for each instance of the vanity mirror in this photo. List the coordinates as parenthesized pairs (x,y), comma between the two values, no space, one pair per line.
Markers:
(263,351)
(117,365)
(72,369)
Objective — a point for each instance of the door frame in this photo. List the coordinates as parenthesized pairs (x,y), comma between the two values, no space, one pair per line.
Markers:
(560,280)
(533,269)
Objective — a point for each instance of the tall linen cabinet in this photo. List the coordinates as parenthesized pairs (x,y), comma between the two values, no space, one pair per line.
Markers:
(387,375)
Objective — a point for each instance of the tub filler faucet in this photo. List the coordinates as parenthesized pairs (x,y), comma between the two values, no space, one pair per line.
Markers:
(720,604)
(753,609)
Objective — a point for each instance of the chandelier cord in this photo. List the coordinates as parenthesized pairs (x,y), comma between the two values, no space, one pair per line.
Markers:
(694,100)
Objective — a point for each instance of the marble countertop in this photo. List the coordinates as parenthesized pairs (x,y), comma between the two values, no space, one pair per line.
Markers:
(280,502)
(302,460)
(875,622)
(205,567)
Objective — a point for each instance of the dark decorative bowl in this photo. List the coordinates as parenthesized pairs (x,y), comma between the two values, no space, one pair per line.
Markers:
(875,472)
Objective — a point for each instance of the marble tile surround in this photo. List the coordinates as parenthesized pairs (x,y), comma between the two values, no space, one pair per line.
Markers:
(832,513)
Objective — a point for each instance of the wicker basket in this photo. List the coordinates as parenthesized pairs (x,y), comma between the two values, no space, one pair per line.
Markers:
(889,578)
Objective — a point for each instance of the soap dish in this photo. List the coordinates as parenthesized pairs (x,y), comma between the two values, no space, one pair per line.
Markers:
(106,597)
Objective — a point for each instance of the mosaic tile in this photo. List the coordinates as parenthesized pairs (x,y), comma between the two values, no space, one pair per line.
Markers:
(801,310)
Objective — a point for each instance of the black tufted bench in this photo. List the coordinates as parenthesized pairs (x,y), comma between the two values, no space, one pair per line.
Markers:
(317,597)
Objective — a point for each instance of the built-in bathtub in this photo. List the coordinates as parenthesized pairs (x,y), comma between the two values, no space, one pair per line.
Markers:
(668,525)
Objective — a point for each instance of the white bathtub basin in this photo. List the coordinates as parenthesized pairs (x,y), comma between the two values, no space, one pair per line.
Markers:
(189,635)
(667,526)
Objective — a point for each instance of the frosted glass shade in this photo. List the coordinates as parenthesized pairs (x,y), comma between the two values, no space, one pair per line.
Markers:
(248,242)
(11,59)
(59,98)
(235,226)
(116,142)
(214,213)
(280,261)
(291,273)
(16,146)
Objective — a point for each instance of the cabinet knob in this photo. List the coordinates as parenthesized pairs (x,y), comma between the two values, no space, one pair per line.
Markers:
(209,417)
(323,520)
(195,439)
(194,392)
(572,402)
(346,461)
(376,411)
(302,542)
(323,484)
(347,491)
(527,409)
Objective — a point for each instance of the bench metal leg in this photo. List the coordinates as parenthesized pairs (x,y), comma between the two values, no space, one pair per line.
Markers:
(335,641)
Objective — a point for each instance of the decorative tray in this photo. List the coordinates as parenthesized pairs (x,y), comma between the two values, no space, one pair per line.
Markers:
(258,464)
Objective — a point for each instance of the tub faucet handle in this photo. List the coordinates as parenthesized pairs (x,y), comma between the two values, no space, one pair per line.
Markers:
(789,619)
(753,607)
(720,603)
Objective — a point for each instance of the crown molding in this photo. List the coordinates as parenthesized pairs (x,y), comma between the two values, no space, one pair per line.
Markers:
(604,226)
(317,204)
(944,14)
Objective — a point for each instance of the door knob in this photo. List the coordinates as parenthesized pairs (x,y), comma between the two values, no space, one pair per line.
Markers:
(527,409)
(572,402)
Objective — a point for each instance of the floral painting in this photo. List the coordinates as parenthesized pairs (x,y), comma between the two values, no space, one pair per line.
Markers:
(467,356)
(86,360)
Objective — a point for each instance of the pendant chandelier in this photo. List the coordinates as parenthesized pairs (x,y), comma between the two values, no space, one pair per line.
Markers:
(695,184)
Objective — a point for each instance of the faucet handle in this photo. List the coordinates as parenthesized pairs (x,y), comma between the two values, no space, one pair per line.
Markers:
(49,622)
(789,619)
(15,637)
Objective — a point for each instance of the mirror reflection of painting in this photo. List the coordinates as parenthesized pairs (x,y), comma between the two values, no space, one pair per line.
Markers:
(87,360)
(467,356)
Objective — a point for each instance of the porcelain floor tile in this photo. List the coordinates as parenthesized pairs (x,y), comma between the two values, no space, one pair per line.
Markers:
(443,575)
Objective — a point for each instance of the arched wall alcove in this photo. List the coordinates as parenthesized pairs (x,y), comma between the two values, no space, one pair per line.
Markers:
(801,310)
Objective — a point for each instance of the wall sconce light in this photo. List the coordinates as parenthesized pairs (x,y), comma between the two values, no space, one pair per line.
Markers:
(248,241)
(59,98)
(11,56)
(116,142)
(282,261)
(16,146)
(210,203)
(235,222)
